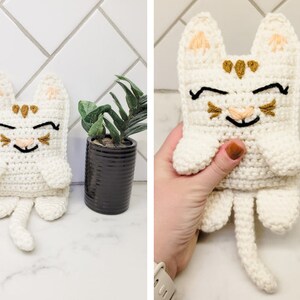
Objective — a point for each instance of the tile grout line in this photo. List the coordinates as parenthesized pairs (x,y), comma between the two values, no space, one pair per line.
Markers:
(257,7)
(166,91)
(111,86)
(63,43)
(122,35)
(279,5)
(183,22)
(24,31)
(104,93)
(174,23)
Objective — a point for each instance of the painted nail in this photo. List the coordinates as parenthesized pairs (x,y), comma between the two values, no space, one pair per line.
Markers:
(234,151)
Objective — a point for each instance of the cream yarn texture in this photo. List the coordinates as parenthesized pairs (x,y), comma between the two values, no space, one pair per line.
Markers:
(33,156)
(254,98)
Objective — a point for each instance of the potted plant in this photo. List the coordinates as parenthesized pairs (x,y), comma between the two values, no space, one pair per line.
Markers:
(110,152)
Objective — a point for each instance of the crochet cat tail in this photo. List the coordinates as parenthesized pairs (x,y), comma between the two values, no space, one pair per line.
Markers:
(247,249)
(17,227)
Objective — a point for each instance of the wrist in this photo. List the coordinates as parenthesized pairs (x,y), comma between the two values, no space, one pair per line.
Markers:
(164,287)
(170,265)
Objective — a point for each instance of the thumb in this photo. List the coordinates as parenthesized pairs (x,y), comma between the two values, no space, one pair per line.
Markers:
(228,157)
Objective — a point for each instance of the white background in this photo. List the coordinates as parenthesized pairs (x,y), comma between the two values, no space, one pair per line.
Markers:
(86,43)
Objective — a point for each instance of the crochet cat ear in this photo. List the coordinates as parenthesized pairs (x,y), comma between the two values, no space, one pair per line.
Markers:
(7,96)
(201,42)
(50,89)
(275,36)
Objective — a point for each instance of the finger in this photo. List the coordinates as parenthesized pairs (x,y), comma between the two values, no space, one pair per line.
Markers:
(228,157)
(166,150)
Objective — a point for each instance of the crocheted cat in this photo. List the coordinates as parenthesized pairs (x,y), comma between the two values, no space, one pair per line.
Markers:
(254,98)
(33,165)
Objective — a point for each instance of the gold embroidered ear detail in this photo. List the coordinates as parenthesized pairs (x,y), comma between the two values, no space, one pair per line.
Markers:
(213,110)
(277,42)
(253,65)
(199,41)
(15,108)
(227,65)
(4,140)
(268,108)
(52,92)
(45,139)
(240,67)
(34,108)
(24,110)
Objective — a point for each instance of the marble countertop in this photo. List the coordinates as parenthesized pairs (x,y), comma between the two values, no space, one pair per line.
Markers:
(82,256)
(215,271)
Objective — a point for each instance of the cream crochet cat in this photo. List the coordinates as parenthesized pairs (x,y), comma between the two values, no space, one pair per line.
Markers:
(254,98)
(33,165)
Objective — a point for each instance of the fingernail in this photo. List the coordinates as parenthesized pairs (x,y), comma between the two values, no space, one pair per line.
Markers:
(234,151)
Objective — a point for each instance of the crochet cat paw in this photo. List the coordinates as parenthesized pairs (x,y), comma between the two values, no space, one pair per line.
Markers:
(55,171)
(7,206)
(217,210)
(193,153)
(282,152)
(278,208)
(51,208)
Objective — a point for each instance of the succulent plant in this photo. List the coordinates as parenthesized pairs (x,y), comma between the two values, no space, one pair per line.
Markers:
(95,122)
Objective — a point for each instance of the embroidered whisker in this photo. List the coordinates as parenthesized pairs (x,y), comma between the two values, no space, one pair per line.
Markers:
(268,108)
(4,140)
(45,139)
(214,110)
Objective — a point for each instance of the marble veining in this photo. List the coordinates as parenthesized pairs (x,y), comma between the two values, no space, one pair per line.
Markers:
(84,255)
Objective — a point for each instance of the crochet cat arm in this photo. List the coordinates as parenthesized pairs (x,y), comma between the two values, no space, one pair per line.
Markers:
(55,171)
(281,151)
(194,152)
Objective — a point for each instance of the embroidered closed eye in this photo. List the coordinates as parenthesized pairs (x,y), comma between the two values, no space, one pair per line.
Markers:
(55,127)
(213,110)
(206,88)
(268,109)
(277,85)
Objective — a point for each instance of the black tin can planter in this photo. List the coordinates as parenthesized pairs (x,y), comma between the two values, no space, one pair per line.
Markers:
(108,177)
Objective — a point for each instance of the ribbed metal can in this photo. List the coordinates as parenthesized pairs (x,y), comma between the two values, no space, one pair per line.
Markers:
(108,177)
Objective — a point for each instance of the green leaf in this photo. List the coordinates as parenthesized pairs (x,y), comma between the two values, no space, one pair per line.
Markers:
(141,116)
(135,129)
(120,124)
(113,131)
(85,107)
(93,116)
(143,100)
(97,128)
(121,110)
(130,97)
(137,92)
(86,126)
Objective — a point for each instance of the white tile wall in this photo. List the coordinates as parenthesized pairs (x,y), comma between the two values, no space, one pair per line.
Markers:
(86,42)
(238,21)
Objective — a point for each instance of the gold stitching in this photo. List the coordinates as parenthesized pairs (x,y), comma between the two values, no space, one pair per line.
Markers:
(213,110)
(15,108)
(227,65)
(240,67)
(45,139)
(24,110)
(268,108)
(4,140)
(34,108)
(253,65)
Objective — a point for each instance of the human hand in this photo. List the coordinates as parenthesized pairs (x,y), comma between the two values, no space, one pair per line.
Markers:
(180,200)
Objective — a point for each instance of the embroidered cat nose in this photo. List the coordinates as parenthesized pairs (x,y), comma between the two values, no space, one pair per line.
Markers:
(241,114)
(24,143)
